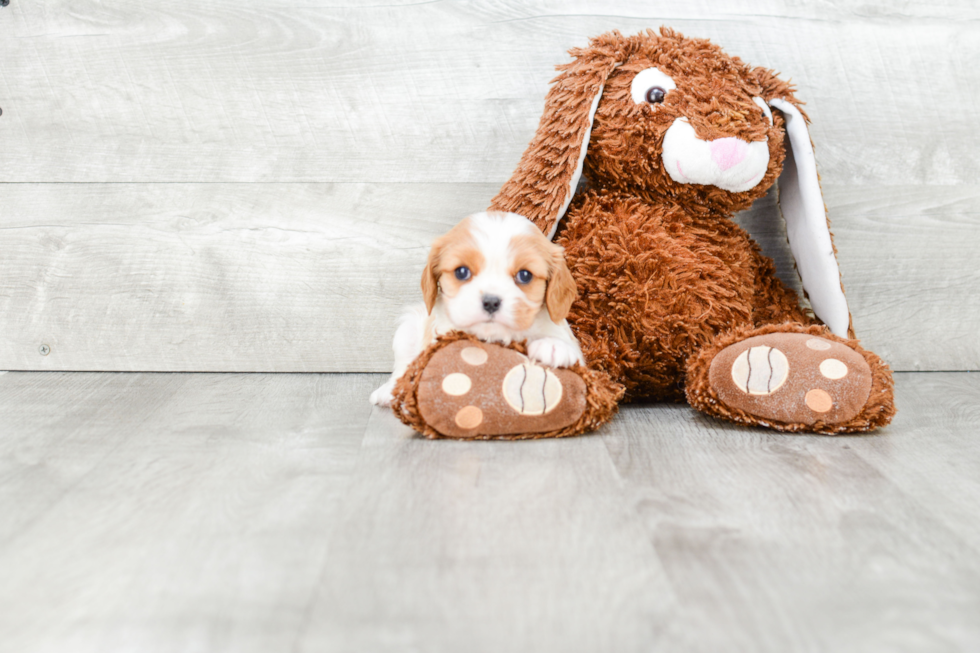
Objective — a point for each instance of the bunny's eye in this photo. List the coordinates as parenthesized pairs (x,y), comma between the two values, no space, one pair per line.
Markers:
(651,86)
(656,95)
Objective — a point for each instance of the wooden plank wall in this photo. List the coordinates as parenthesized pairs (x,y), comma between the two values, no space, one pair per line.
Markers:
(243,185)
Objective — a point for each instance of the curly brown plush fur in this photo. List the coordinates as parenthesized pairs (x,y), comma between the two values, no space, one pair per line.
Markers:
(625,140)
(664,273)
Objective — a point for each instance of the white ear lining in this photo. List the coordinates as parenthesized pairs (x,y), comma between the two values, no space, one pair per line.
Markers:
(577,175)
(801,203)
(765,108)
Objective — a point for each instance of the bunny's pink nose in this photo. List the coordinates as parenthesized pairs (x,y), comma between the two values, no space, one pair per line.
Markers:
(728,152)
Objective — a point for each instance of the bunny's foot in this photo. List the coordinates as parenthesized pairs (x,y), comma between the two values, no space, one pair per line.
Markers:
(792,378)
(461,387)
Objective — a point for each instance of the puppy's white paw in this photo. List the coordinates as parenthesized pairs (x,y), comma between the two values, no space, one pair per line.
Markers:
(553,352)
(382,396)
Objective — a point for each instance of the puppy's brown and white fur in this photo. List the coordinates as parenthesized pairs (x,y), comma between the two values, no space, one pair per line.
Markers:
(494,275)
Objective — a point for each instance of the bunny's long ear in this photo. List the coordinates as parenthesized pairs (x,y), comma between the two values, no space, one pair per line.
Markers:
(543,185)
(801,203)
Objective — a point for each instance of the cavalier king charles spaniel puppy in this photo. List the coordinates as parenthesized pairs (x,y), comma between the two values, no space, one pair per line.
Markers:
(496,276)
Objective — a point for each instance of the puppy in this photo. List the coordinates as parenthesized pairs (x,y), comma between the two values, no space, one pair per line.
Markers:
(494,275)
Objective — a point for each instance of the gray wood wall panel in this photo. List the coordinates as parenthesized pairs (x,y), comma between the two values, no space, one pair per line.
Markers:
(310,277)
(346,136)
(230,277)
(443,91)
(910,267)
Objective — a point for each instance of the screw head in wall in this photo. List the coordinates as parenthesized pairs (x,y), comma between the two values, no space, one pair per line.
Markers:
(44,350)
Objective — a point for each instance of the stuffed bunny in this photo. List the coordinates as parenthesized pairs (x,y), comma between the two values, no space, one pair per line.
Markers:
(648,146)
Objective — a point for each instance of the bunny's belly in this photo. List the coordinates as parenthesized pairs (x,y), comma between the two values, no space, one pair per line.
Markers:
(654,286)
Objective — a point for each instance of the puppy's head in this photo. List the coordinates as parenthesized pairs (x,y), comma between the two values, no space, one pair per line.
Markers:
(497,268)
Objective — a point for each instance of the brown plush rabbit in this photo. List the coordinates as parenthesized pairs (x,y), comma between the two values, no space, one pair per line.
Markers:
(647,147)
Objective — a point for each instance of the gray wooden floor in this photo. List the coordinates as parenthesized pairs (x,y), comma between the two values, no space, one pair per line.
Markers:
(280,512)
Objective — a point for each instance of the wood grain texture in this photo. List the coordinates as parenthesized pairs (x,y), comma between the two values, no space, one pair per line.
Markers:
(807,532)
(443,91)
(223,277)
(910,269)
(169,512)
(502,548)
(161,512)
(310,277)
(346,135)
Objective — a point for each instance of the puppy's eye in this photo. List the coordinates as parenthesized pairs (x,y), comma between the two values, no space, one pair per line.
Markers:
(524,277)
(462,273)
(655,95)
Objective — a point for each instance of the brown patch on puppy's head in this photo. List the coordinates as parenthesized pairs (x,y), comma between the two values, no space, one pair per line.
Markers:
(454,249)
(551,285)
(561,287)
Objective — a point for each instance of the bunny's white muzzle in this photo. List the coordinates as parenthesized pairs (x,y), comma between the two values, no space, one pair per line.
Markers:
(728,163)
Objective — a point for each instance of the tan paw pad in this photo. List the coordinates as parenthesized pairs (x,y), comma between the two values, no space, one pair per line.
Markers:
(469,417)
(760,370)
(531,389)
(456,384)
(819,401)
(474,355)
(833,369)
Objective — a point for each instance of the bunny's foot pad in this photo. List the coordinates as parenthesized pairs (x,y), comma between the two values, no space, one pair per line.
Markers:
(795,381)
(461,387)
(791,377)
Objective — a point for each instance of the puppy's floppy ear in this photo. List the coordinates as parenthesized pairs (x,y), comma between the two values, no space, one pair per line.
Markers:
(430,276)
(543,185)
(561,290)
(802,206)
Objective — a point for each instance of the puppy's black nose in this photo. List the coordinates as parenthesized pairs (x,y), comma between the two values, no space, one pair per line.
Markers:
(491,303)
